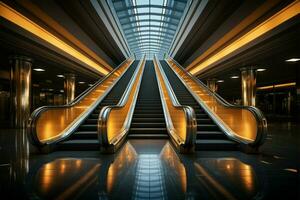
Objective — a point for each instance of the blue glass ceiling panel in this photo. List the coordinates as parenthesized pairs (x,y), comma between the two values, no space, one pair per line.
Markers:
(149,25)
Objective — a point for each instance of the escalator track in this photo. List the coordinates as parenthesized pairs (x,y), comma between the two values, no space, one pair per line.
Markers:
(148,118)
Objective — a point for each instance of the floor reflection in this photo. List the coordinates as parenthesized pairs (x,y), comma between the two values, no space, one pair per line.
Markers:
(227,178)
(143,169)
(143,173)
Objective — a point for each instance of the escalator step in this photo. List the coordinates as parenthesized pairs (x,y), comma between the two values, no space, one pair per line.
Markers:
(139,111)
(79,145)
(210,135)
(148,136)
(204,121)
(85,135)
(91,121)
(148,131)
(216,145)
(207,127)
(148,108)
(154,120)
(148,115)
(88,127)
(204,115)
(148,125)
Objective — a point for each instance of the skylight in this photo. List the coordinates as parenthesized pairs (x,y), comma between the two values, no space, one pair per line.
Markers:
(149,25)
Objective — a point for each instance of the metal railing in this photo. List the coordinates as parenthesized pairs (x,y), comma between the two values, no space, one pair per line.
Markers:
(51,124)
(114,121)
(180,120)
(244,124)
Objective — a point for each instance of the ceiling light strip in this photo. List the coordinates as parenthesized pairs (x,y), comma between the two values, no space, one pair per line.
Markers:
(277,86)
(277,19)
(25,23)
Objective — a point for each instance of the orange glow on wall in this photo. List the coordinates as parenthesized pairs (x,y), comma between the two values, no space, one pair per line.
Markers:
(20,20)
(277,19)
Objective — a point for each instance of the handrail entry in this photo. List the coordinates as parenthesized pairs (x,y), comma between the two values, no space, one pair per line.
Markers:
(31,124)
(113,145)
(187,144)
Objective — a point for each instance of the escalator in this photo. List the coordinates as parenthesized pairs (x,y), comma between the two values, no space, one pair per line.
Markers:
(85,137)
(148,118)
(209,136)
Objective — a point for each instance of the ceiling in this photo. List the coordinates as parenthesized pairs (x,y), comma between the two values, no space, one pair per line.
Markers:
(149,25)
(270,55)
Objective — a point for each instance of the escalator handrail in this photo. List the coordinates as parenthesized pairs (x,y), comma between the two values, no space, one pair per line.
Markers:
(31,125)
(190,115)
(105,144)
(260,118)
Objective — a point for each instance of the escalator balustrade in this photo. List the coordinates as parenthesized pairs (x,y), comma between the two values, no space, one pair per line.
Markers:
(209,136)
(86,137)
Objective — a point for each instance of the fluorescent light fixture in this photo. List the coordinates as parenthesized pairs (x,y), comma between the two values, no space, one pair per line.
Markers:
(234,77)
(38,69)
(220,81)
(81,82)
(261,70)
(20,20)
(62,91)
(277,86)
(60,76)
(50,90)
(293,60)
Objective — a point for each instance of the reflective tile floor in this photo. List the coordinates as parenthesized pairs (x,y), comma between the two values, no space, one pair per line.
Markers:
(151,169)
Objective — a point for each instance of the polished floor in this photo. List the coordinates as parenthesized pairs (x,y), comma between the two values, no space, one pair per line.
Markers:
(151,169)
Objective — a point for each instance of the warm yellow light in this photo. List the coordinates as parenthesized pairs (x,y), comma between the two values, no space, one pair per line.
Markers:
(277,86)
(25,23)
(277,19)
(285,85)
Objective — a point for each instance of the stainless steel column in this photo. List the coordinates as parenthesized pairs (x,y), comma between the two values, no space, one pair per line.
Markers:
(248,82)
(20,90)
(212,84)
(69,87)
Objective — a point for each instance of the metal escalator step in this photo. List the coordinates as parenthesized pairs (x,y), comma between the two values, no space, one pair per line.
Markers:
(85,135)
(207,127)
(148,115)
(88,127)
(210,135)
(147,125)
(140,111)
(216,144)
(91,121)
(154,120)
(148,136)
(93,116)
(148,130)
(137,107)
(148,104)
(79,145)
(204,121)
(204,115)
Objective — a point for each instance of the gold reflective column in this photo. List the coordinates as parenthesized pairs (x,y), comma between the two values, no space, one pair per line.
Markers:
(69,87)
(20,90)
(248,82)
(212,84)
